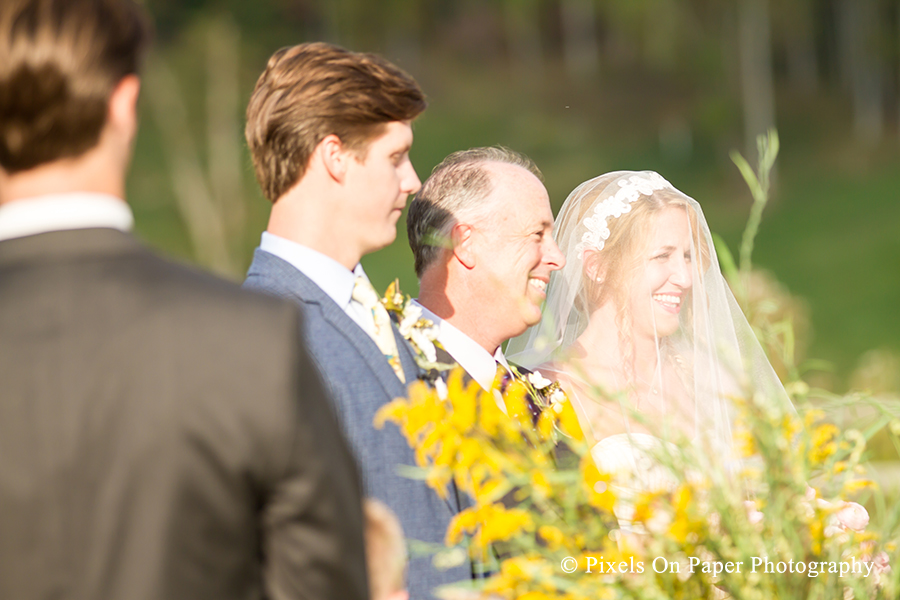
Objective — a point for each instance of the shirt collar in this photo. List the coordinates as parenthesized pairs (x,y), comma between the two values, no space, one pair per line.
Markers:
(58,212)
(332,277)
(476,361)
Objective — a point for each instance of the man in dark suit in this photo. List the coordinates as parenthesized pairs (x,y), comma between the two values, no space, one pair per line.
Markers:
(163,435)
(486,283)
(330,132)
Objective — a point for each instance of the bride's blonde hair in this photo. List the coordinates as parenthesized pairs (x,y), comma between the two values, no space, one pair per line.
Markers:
(609,273)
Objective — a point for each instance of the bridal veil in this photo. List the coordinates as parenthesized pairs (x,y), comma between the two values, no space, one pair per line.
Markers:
(714,350)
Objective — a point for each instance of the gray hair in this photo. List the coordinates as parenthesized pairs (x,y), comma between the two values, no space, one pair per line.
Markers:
(457,187)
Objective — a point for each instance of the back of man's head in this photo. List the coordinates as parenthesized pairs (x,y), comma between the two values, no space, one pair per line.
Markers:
(314,90)
(59,62)
(457,188)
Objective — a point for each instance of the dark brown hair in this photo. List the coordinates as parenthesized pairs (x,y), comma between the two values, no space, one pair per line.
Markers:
(311,91)
(59,62)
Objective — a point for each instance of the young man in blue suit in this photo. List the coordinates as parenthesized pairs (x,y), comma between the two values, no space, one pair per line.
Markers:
(330,132)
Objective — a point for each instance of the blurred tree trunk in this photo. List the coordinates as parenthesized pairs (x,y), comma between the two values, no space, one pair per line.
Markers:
(193,195)
(757,90)
(798,32)
(581,50)
(861,65)
(210,196)
(224,118)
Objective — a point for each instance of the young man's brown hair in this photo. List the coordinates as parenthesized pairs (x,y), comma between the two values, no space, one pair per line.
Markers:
(59,62)
(313,90)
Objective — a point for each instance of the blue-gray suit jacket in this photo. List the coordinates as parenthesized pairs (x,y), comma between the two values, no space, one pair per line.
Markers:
(361,381)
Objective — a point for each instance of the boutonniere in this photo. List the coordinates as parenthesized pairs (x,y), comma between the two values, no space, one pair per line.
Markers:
(550,407)
(547,392)
(421,333)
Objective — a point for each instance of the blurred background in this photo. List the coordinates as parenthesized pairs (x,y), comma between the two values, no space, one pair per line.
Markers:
(583,87)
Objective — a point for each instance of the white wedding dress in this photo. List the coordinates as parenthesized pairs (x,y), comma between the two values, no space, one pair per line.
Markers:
(631,457)
(632,460)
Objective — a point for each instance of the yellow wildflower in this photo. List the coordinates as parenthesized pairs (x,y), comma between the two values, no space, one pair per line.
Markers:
(552,536)
(536,596)
(392,411)
(823,443)
(817,533)
(393,298)
(857,485)
(540,483)
(437,479)
(684,527)
(516,407)
(568,419)
(465,403)
(790,427)
(447,456)
(812,416)
(745,441)
(545,424)
(461,523)
(489,416)
(499,524)
(487,491)
(596,485)
(490,523)
(469,452)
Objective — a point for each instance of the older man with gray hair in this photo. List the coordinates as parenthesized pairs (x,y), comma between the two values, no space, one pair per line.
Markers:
(481,232)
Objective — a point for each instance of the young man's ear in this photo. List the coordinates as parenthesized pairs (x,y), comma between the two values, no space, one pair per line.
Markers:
(462,240)
(333,156)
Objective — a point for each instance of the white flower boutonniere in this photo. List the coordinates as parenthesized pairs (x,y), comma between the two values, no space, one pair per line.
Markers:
(537,380)
(544,394)
(421,333)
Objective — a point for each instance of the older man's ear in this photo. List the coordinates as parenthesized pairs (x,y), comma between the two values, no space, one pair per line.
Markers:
(463,239)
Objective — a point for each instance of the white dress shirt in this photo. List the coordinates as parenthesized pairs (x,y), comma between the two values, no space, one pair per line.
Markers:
(59,212)
(477,362)
(332,277)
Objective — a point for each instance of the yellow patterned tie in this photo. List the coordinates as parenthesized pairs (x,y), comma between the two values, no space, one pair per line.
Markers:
(365,294)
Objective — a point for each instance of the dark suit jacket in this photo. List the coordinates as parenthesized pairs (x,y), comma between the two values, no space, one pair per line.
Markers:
(163,435)
(362,381)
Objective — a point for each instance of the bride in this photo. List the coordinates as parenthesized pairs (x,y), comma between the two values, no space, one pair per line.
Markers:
(640,327)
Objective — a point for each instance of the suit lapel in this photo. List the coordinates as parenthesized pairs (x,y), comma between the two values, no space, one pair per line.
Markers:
(367,348)
(407,360)
(297,286)
(304,291)
(332,313)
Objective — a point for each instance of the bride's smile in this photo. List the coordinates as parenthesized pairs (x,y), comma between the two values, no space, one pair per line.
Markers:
(667,277)
(671,302)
